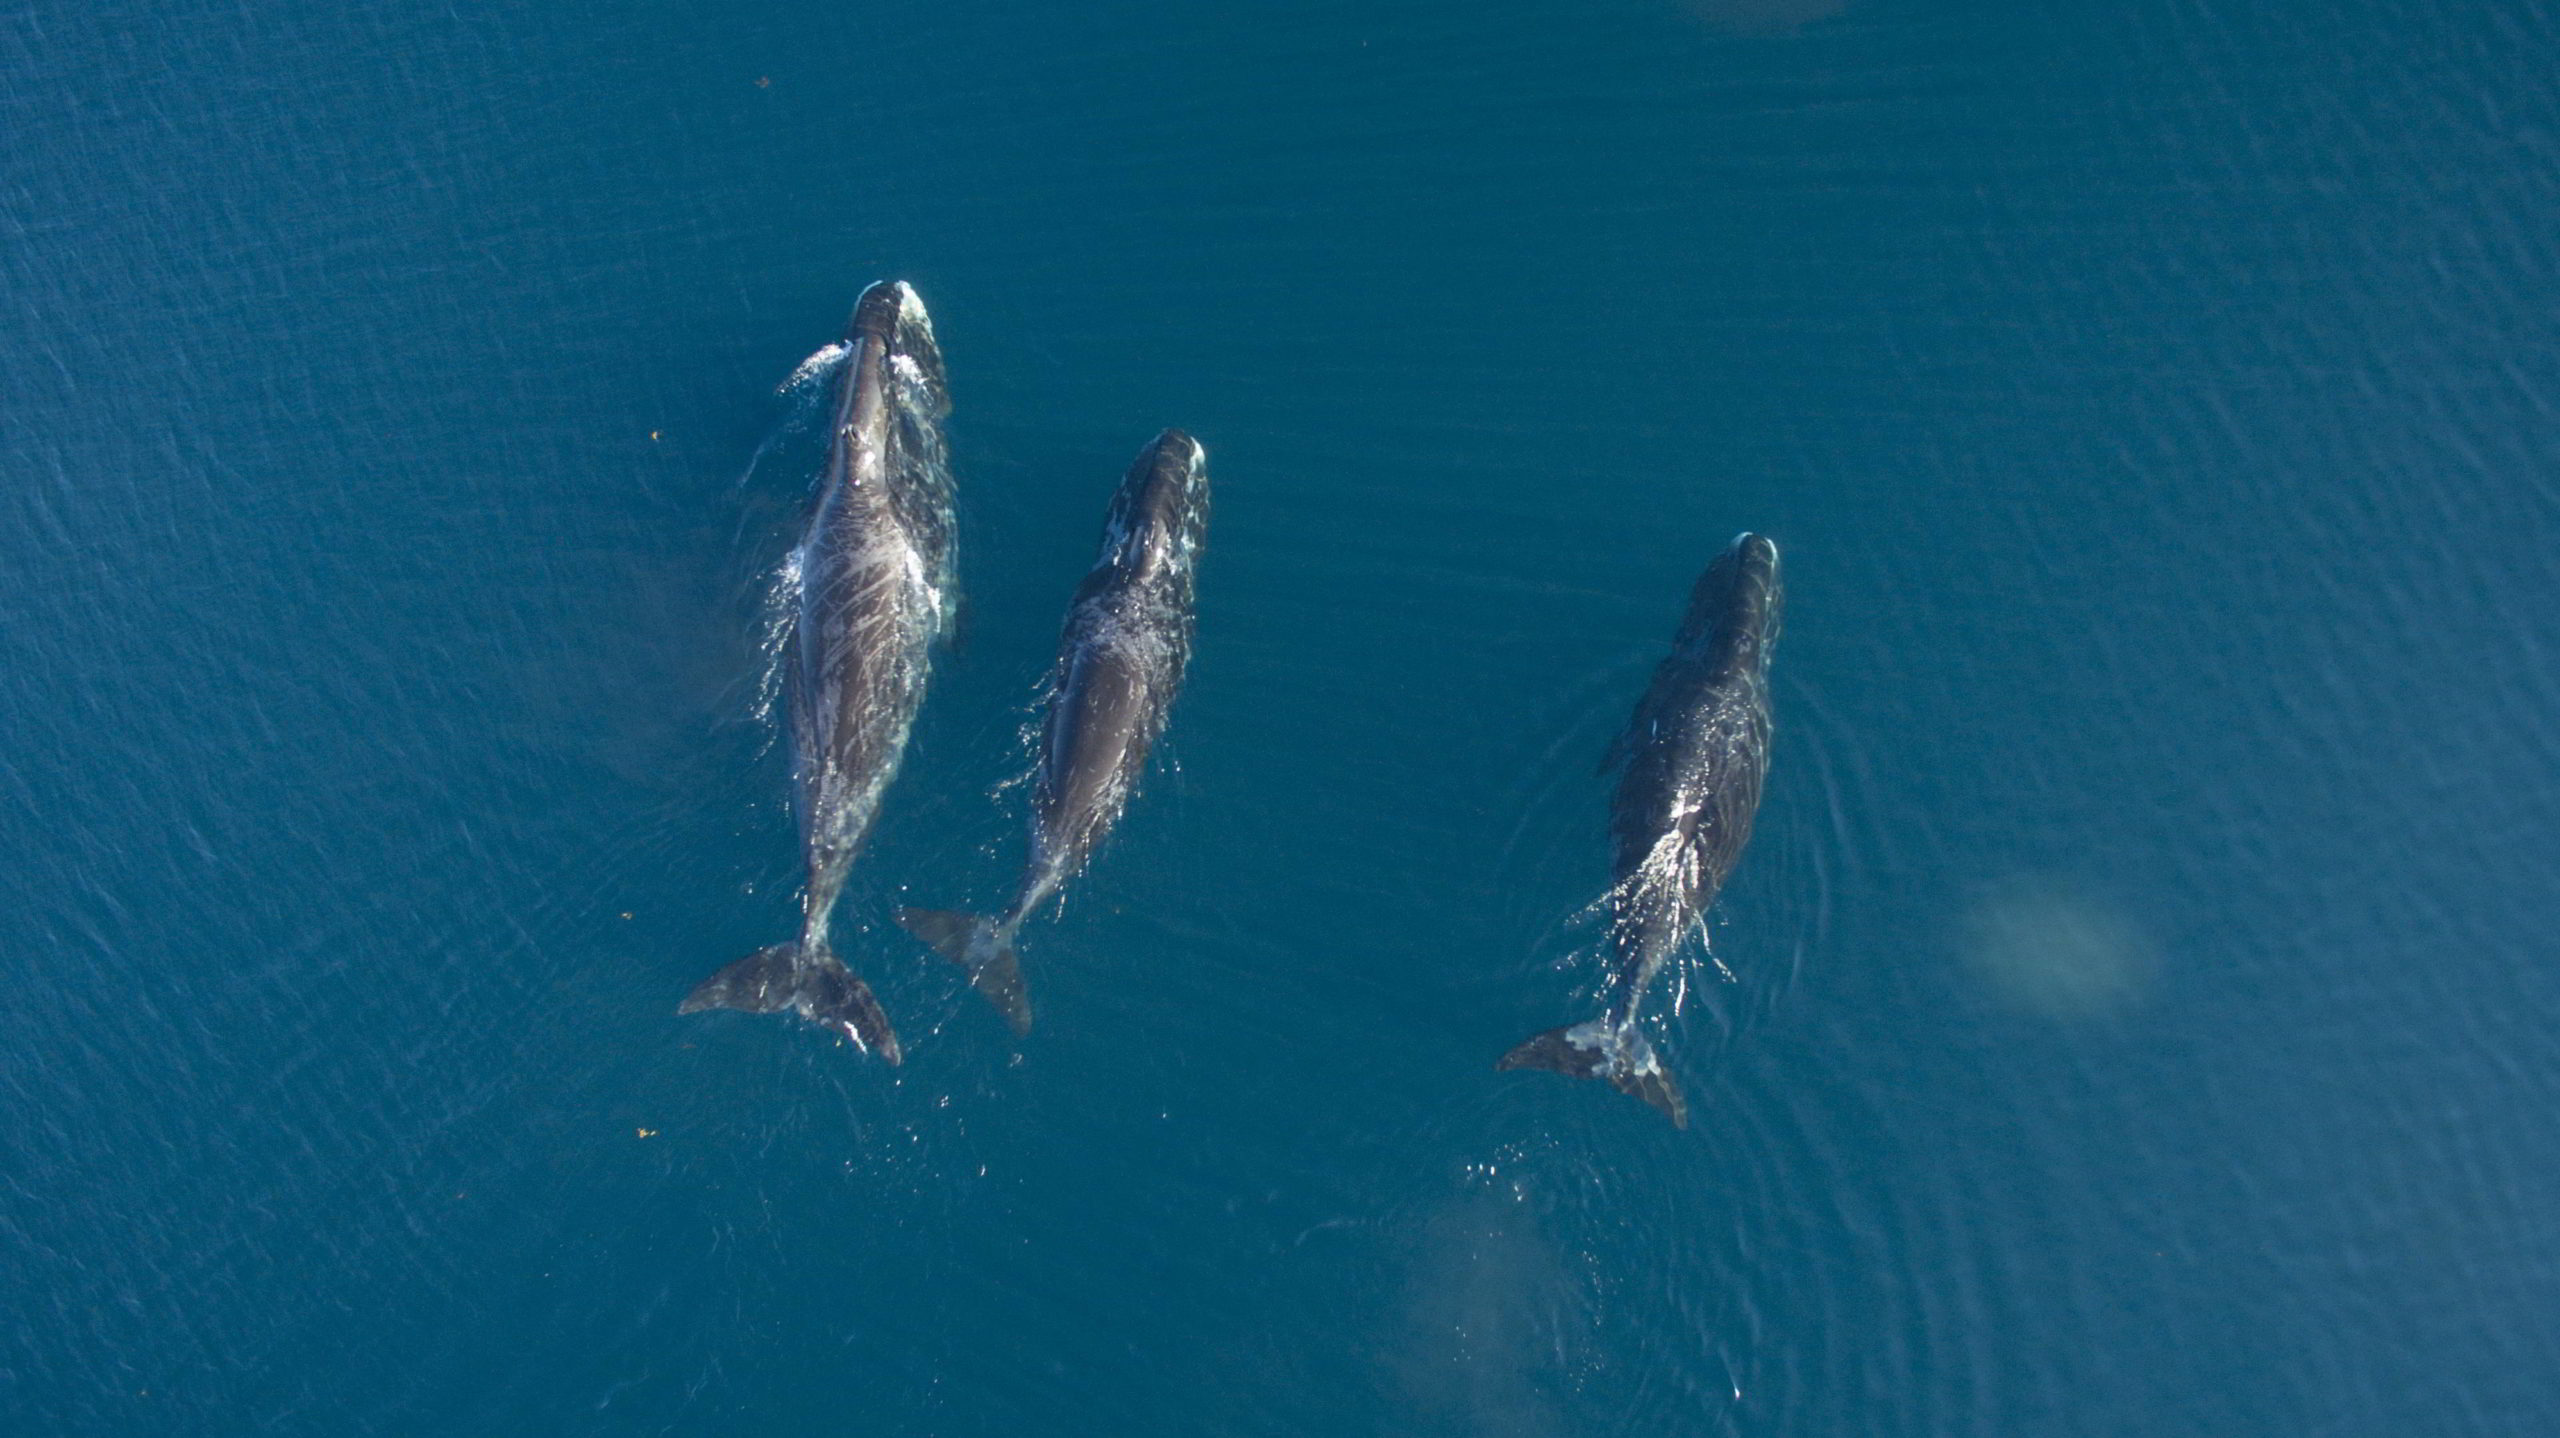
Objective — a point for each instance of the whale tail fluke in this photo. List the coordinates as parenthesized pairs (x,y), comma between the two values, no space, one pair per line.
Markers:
(1598,1050)
(811,981)
(984,947)
(761,983)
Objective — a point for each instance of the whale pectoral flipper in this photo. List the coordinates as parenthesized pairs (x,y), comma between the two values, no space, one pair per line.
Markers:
(819,986)
(1595,1050)
(984,947)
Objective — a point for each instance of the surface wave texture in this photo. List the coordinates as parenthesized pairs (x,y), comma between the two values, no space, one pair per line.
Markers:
(2141,1012)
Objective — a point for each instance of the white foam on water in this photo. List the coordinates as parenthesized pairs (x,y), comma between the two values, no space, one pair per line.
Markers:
(911,308)
(806,393)
(816,366)
(773,644)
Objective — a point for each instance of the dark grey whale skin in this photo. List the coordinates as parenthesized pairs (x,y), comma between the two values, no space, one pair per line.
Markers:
(875,569)
(1691,765)
(1127,640)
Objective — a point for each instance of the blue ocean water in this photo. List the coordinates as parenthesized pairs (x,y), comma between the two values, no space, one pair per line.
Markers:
(2142,1013)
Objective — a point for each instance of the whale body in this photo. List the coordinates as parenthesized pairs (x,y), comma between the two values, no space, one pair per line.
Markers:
(875,569)
(1120,660)
(1690,764)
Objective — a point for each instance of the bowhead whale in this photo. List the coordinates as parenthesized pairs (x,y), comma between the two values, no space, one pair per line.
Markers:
(1691,763)
(875,583)
(1120,660)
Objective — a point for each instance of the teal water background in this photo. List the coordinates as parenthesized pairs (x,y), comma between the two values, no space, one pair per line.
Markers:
(2143,1008)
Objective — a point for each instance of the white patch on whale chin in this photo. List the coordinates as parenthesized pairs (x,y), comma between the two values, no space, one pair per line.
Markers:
(908,370)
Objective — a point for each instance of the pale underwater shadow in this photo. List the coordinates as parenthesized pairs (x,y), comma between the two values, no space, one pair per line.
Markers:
(1491,1323)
